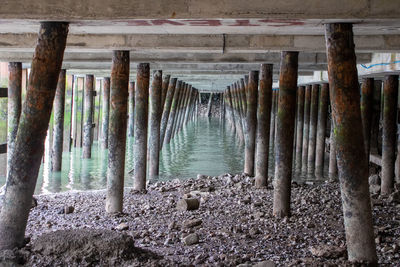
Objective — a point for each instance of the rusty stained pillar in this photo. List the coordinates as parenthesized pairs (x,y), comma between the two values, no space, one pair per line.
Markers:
(313,128)
(173,112)
(333,170)
(350,152)
(58,129)
(263,125)
(285,133)
(141,119)
(167,109)
(87,117)
(299,129)
(106,113)
(117,131)
(367,101)
(321,129)
(306,128)
(251,123)
(389,130)
(155,118)
(29,144)
(13,106)
(131,109)
(165,86)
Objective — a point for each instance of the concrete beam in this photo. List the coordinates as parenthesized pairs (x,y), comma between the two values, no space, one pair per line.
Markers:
(182,9)
(200,43)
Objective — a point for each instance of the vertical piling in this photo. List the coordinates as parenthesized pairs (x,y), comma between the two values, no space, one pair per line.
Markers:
(273,116)
(141,117)
(165,86)
(209,105)
(29,144)
(106,113)
(263,124)
(300,121)
(306,128)
(333,170)
(389,130)
(58,129)
(155,118)
(131,109)
(87,117)
(367,98)
(167,109)
(13,107)
(285,133)
(351,158)
(321,129)
(117,131)
(313,128)
(173,111)
(251,123)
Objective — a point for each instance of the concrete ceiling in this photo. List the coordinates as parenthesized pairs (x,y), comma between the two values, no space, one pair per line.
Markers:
(207,43)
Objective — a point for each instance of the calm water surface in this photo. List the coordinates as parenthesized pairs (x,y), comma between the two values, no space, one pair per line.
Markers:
(204,146)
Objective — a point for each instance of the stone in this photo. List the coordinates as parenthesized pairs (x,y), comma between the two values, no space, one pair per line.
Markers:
(265,264)
(201,176)
(246,199)
(191,239)
(172,225)
(192,223)
(374,179)
(122,227)
(188,204)
(327,251)
(68,209)
(374,189)
(34,203)
(394,197)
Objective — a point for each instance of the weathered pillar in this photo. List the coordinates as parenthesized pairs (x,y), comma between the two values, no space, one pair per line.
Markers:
(389,130)
(173,112)
(251,123)
(285,133)
(306,128)
(299,134)
(131,109)
(273,115)
(367,101)
(141,117)
(209,105)
(333,170)
(263,124)
(165,86)
(58,129)
(185,106)
(87,117)
(29,143)
(351,158)
(189,105)
(243,97)
(221,107)
(313,128)
(106,113)
(155,118)
(117,131)
(179,108)
(70,133)
(230,105)
(321,130)
(236,112)
(14,106)
(167,109)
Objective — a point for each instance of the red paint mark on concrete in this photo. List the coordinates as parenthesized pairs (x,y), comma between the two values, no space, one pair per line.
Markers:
(244,22)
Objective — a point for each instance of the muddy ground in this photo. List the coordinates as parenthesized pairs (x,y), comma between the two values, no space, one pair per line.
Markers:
(233,225)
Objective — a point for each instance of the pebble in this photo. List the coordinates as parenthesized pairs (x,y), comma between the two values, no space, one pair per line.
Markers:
(122,227)
(191,239)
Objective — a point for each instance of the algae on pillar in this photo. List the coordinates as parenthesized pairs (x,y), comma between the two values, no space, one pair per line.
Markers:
(155,117)
(141,118)
(87,117)
(117,131)
(251,123)
(285,133)
(29,144)
(263,125)
(351,158)
(58,129)
(106,113)
(13,106)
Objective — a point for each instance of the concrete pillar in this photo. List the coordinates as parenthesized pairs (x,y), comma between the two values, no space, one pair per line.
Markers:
(351,158)
(183,108)
(131,109)
(75,113)
(58,129)
(299,129)
(285,133)
(230,108)
(29,143)
(313,128)
(321,129)
(70,133)
(263,124)
(306,128)
(14,106)
(389,130)
(165,86)
(179,108)
(209,105)
(173,112)
(87,117)
(155,118)
(141,118)
(333,170)
(367,102)
(167,109)
(106,113)
(273,112)
(192,94)
(251,123)
(243,96)
(221,107)
(236,112)
(117,131)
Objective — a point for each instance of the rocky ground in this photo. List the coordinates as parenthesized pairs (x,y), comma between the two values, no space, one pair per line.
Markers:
(233,225)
